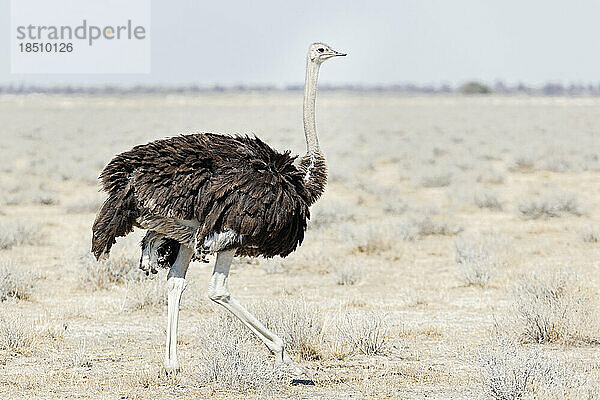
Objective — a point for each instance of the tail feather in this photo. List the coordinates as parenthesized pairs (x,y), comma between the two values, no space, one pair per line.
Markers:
(116,218)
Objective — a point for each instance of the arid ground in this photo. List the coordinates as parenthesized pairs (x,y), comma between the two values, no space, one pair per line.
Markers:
(454,255)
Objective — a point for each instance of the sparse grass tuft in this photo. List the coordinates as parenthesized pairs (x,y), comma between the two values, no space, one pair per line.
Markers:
(491,176)
(328,213)
(522,163)
(478,265)
(364,332)
(510,372)
(372,238)
(298,323)
(591,235)
(14,282)
(17,234)
(16,335)
(146,293)
(348,275)
(228,361)
(83,205)
(550,206)
(556,163)
(487,200)
(119,268)
(424,225)
(435,180)
(79,356)
(552,307)
(30,192)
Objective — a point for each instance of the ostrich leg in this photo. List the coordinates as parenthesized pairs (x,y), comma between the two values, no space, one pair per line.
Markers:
(175,285)
(218,292)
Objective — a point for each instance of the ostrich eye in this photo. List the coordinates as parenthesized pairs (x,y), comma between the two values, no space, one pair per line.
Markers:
(320,49)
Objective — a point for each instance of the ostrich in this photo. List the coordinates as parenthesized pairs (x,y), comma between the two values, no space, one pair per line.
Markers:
(205,193)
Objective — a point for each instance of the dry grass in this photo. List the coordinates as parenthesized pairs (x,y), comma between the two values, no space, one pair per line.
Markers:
(327,213)
(348,275)
(553,307)
(550,206)
(16,233)
(16,334)
(491,176)
(522,163)
(371,238)
(14,282)
(419,225)
(74,341)
(29,192)
(297,322)
(122,266)
(591,234)
(229,360)
(364,332)
(489,200)
(83,205)
(511,372)
(436,179)
(146,293)
(477,265)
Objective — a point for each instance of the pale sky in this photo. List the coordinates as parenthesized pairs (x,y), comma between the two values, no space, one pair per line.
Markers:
(418,41)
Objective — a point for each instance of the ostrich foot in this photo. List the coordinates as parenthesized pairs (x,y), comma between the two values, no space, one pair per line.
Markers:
(286,367)
(172,368)
(171,371)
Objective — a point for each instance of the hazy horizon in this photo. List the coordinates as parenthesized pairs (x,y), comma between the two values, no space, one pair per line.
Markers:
(421,42)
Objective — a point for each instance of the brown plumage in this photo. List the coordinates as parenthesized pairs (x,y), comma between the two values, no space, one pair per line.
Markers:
(220,183)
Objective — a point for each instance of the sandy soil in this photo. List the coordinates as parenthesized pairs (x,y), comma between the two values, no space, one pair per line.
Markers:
(392,160)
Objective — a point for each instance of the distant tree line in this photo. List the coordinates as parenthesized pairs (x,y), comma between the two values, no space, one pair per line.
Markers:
(468,88)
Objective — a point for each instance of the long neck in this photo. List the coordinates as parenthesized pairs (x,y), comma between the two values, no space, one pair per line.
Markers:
(310,97)
(312,164)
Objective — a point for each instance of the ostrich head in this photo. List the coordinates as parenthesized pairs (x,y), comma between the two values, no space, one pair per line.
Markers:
(319,52)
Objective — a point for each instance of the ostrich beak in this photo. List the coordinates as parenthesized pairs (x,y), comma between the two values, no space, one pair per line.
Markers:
(334,53)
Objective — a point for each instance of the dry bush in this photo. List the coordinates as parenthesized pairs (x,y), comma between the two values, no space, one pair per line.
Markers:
(147,293)
(371,238)
(348,275)
(327,213)
(31,192)
(591,234)
(487,200)
(337,344)
(591,162)
(298,323)
(522,163)
(478,266)
(17,234)
(78,356)
(556,163)
(229,361)
(394,207)
(84,205)
(51,327)
(436,179)
(417,226)
(119,268)
(552,307)
(16,335)
(550,206)
(364,332)
(274,265)
(491,176)
(510,372)
(14,282)
(194,297)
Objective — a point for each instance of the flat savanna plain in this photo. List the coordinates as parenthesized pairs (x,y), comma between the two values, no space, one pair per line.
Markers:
(455,253)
